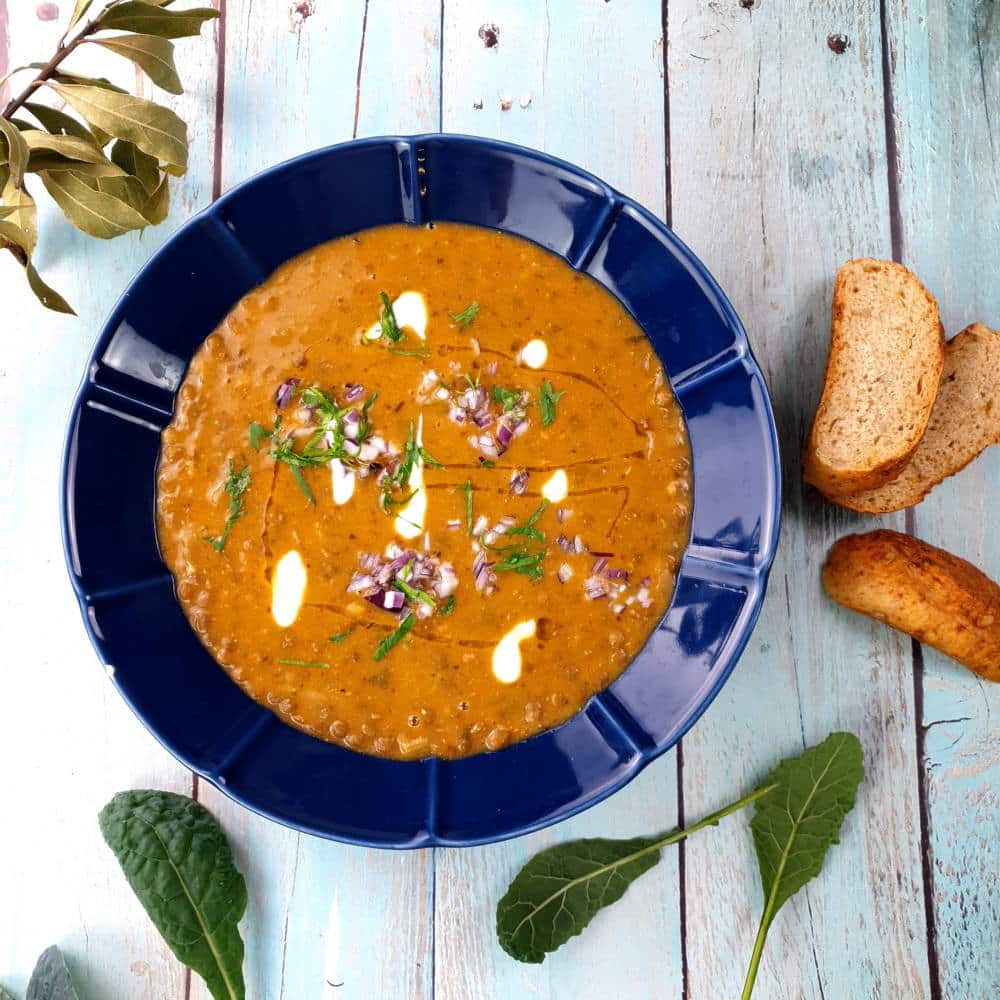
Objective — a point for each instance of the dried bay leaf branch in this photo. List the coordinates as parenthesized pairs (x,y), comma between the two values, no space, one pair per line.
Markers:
(103,193)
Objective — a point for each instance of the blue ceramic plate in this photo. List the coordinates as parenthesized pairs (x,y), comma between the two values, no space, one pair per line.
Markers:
(127,596)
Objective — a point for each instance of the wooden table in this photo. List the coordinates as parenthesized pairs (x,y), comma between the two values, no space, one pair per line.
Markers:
(776,156)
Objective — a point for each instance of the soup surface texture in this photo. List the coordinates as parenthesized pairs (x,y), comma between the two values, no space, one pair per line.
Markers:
(425,491)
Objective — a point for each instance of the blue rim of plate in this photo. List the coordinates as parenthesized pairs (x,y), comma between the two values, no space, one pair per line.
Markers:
(187,702)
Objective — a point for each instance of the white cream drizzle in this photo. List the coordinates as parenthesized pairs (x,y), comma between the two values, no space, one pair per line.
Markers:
(535,353)
(556,487)
(288,588)
(410,520)
(410,310)
(344,482)
(507,652)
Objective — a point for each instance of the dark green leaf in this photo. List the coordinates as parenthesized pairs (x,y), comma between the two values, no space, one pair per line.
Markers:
(258,433)
(341,637)
(236,485)
(60,123)
(558,892)
(154,129)
(795,825)
(154,56)
(466,488)
(305,663)
(547,403)
(137,163)
(387,320)
(95,213)
(177,860)
(50,980)
(153,20)
(448,607)
(48,297)
(13,151)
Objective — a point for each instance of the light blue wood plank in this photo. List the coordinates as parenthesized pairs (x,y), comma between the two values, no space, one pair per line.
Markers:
(327,920)
(60,882)
(592,72)
(946,93)
(778,176)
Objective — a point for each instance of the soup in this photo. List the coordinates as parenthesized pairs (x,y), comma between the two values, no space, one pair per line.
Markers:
(425,491)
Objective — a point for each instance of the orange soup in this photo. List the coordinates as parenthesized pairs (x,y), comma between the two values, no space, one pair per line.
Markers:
(425,491)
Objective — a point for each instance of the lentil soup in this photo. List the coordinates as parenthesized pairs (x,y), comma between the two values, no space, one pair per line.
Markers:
(425,491)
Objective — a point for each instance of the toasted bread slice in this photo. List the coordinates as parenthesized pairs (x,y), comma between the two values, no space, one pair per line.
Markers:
(882,374)
(965,421)
(936,597)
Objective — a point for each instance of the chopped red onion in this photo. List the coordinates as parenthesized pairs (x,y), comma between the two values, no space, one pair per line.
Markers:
(504,436)
(353,449)
(285,392)
(593,587)
(388,600)
(518,482)
(423,610)
(360,582)
(491,368)
(352,424)
(354,392)
(562,513)
(578,547)
(617,608)
(447,582)
(643,597)
(566,544)
(599,566)
(616,574)
(520,427)
(482,420)
(454,524)
(488,446)
(482,523)
(475,346)
(565,573)
(368,452)
(442,394)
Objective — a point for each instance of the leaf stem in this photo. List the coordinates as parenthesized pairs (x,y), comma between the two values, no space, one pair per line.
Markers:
(758,951)
(48,70)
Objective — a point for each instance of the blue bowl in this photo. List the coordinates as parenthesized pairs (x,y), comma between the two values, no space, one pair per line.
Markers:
(127,596)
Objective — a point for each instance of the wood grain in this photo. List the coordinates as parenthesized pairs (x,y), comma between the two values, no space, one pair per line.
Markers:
(575,62)
(778,174)
(60,882)
(944,66)
(327,920)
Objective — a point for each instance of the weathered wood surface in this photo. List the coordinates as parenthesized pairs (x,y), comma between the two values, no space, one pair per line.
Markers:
(775,159)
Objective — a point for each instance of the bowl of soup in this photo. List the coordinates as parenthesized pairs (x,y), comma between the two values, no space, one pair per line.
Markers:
(421,491)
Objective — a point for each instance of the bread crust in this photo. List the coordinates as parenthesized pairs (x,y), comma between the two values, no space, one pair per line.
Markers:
(838,481)
(965,403)
(930,594)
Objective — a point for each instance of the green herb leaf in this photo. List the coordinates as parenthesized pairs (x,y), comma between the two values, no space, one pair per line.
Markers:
(258,433)
(427,459)
(341,637)
(50,980)
(303,485)
(153,55)
(95,213)
(71,147)
(154,129)
(448,607)
(508,397)
(547,403)
(48,297)
(559,891)
(152,20)
(157,206)
(237,483)
(79,10)
(399,352)
(467,316)
(466,487)
(521,560)
(387,320)
(142,166)
(794,827)
(394,638)
(306,663)
(177,861)
(60,123)
(528,528)
(413,594)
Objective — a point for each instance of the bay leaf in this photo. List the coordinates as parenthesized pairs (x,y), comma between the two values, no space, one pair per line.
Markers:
(179,864)
(23,213)
(127,189)
(13,151)
(91,81)
(50,980)
(150,19)
(9,233)
(137,163)
(69,146)
(95,213)
(4,995)
(79,10)
(47,162)
(60,123)
(48,297)
(157,207)
(154,129)
(153,55)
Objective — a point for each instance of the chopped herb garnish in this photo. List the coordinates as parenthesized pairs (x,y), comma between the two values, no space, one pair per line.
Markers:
(473,380)
(399,352)
(258,433)
(466,487)
(237,483)
(547,403)
(448,607)
(528,528)
(394,638)
(413,594)
(487,463)
(519,560)
(341,637)
(509,397)
(428,460)
(388,500)
(306,663)
(467,316)
(387,321)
